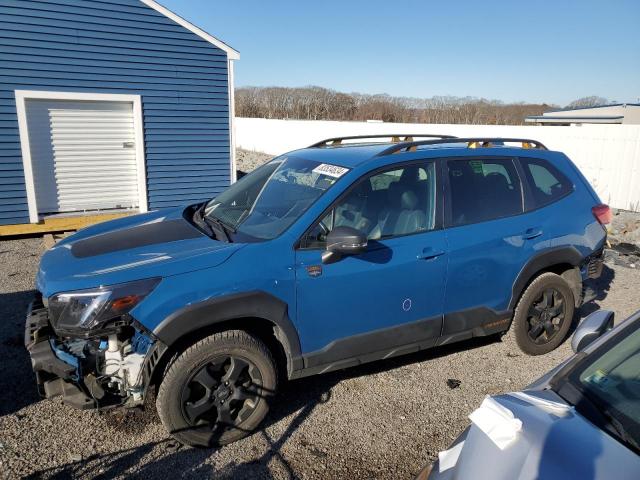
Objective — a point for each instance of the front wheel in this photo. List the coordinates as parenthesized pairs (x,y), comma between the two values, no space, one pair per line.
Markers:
(544,314)
(217,391)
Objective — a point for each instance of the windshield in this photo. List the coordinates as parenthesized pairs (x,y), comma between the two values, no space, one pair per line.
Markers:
(266,202)
(609,378)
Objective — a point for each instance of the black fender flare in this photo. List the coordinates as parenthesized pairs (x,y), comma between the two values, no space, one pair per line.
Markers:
(541,261)
(254,304)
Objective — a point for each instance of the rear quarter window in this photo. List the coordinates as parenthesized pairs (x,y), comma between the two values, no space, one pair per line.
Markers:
(546,183)
(482,189)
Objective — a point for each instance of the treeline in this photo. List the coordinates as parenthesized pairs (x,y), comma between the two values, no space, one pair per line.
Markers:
(317,103)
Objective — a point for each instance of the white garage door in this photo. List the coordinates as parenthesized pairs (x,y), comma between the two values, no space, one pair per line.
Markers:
(83,155)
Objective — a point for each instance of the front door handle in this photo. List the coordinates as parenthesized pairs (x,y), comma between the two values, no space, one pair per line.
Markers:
(532,233)
(429,253)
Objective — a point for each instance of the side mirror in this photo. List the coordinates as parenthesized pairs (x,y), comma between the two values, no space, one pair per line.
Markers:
(591,328)
(343,241)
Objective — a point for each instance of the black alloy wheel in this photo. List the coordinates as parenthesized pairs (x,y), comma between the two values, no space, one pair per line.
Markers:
(546,316)
(222,394)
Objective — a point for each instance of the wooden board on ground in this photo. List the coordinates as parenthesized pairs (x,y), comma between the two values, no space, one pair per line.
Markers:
(50,239)
(58,224)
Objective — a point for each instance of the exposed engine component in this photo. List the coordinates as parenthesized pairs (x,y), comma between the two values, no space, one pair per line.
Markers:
(123,365)
(111,368)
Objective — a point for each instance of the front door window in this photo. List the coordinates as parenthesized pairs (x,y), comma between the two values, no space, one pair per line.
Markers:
(399,201)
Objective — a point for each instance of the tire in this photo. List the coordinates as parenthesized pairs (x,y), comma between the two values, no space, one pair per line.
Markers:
(218,390)
(544,314)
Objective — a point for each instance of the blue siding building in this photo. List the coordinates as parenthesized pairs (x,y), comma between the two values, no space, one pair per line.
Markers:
(109,105)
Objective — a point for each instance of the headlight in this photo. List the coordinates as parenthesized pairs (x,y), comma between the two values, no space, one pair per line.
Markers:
(82,311)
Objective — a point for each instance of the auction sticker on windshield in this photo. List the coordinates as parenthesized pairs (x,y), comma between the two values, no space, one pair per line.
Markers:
(330,170)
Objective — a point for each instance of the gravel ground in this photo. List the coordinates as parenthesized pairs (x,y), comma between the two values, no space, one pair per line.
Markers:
(247,160)
(383,420)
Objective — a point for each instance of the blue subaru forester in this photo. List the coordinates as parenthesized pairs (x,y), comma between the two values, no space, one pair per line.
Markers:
(349,251)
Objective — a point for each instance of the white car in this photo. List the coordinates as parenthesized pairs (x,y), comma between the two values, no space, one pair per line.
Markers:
(579,421)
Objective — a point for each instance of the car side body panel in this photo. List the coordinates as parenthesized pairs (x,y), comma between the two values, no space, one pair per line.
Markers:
(234,282)
(483,260)
(387,286)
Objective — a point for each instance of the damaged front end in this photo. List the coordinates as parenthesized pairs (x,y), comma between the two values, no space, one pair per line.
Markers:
(86,348)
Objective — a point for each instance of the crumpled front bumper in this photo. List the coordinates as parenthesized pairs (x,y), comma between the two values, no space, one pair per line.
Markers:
(54,376)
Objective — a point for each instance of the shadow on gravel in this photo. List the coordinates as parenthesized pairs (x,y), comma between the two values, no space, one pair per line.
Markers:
(17,383)
(164,458)
(596,290)
(157,458)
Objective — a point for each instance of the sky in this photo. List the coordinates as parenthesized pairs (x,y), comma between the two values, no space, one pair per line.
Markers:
(552,51)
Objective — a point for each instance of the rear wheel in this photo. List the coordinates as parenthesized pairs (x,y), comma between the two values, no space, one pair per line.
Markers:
(544,314)
(217,390)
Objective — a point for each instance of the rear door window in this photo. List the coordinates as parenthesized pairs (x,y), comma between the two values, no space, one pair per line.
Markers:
(546,183)
(482,189)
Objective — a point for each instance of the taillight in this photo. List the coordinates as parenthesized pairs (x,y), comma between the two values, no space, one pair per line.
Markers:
(603,214)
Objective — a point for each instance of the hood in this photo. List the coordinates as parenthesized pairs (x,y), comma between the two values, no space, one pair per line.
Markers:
(155,244)
(536,436)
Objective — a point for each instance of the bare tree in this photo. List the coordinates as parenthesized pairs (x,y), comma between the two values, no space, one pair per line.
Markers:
(592,101)
(317,103)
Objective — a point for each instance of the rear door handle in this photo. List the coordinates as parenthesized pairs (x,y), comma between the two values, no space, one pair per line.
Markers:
(429,253)
(532,233)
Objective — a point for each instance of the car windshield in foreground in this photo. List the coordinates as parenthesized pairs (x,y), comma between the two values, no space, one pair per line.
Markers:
(263,204)
(608,380)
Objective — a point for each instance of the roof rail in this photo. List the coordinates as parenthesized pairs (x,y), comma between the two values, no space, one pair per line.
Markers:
(395,138)
(472,142)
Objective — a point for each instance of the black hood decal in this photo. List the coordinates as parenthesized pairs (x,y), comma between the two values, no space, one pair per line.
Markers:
(134,237)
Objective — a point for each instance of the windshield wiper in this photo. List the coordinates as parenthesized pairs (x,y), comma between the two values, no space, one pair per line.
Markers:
(619,429)
(217,225)
(200,220)
(214,223)
(595,411)
(214,227)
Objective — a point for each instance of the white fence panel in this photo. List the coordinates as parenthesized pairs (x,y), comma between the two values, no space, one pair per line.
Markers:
(607,155)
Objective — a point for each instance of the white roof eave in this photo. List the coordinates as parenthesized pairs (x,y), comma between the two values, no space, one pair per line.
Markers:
(594,120)
(231,53)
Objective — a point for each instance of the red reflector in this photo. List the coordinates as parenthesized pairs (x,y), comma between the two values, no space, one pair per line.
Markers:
(603,214)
